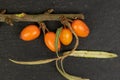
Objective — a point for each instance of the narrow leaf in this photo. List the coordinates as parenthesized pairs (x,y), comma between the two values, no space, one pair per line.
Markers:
(72,77)
(57,39)
(32,62)
(68,76)
(92,54)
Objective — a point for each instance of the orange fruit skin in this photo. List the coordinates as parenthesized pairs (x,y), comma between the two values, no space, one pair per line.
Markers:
(80,28)
(30,32)
(49,40)
(66,36)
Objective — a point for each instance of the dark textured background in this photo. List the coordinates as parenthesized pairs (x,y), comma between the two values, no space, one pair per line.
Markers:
(103,19)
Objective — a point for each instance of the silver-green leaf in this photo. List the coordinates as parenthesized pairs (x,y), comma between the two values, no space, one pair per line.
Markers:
(92,54)
(45,61)
(69,76)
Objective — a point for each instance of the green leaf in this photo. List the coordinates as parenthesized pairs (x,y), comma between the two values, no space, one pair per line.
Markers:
(92,54)
(32,62)
(57,39)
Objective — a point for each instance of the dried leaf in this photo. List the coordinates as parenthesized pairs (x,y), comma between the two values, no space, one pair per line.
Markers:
(32,62)
(57,39)
(72,77)
(68,76)
(92,54)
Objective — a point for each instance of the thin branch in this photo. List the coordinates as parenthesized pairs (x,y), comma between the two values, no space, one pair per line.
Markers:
(37,17)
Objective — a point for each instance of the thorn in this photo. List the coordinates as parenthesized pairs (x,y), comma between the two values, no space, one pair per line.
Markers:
(2,11)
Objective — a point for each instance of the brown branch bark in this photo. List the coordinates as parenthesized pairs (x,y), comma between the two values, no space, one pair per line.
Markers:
(37,17)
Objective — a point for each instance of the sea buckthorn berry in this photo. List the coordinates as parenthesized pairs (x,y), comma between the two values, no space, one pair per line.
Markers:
(49,40)
(30,32)
(80,28)
(66,36)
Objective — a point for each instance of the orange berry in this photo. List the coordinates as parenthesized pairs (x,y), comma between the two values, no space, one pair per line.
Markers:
(66,36)
(80,28)
(49,40)
(30,32)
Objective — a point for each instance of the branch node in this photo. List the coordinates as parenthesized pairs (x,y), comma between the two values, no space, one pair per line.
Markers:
(9,21)
(49,11)
(2,11)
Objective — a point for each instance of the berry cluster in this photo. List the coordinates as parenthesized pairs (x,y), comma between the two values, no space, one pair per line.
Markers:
(32,32)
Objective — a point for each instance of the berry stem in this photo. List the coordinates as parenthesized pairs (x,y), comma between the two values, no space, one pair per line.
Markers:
(43,26)
(66,22)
